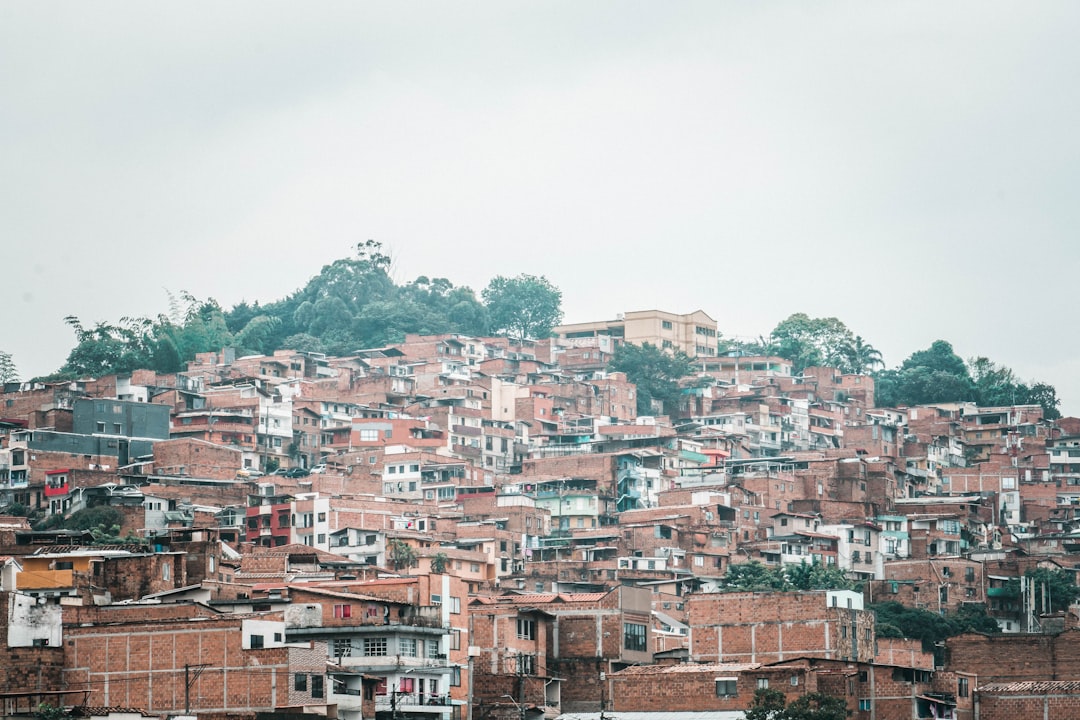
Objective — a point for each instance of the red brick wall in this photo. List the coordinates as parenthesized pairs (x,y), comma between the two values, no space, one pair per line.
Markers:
(770,627)
(1013,658)
(1001,705)
(139,662)
(685,689)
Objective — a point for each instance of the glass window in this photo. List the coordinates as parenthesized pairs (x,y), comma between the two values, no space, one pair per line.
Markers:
(634,637)
(725,687)
(375,647)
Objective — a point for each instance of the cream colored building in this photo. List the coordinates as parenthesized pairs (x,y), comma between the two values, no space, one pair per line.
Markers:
(694,333)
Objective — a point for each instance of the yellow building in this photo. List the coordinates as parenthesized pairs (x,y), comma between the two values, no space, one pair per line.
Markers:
(694,333)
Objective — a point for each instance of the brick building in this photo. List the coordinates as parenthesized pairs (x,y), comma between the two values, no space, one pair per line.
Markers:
(771,627)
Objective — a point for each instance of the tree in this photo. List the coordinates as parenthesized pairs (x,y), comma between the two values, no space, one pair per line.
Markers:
(1046,395)
(656,374)
(936,374)
(438,563)
(400,554)
(818,576)
(1055,589)
(523,307)
(753,576)
(810,342)
(815,706)
(8,371)
(45,711)
(768,704)
(859,357)
(894,620)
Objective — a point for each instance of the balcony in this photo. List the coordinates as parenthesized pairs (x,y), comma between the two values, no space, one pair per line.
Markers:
(413,703)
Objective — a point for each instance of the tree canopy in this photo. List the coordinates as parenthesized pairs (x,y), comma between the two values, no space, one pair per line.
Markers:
(809,342)
(895,620)
(8,371)
(353,303)
(523,307)
(757,577)
(769,704)
(937,374)
(656,373)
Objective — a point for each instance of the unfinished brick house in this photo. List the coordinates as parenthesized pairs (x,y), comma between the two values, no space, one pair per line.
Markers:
(770,627)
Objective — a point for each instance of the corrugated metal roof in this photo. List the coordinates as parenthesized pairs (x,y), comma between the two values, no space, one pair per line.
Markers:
(698,715)
(1035,687)
(710,668)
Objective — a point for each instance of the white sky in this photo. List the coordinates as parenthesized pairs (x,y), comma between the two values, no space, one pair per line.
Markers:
(910,168)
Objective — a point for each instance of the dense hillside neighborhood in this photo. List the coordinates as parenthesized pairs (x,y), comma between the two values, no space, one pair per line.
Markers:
(491,527)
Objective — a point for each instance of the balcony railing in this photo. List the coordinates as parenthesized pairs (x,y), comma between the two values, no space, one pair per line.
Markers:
(406,702)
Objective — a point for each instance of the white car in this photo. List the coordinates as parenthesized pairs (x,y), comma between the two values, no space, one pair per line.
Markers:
(318,469)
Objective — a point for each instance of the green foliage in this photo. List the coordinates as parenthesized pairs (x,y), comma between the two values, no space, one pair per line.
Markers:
(45,711)
(523,307)
(756,577)
(937,374)
(17,510)
(438,563)
(900,621)
(400,554)
(8,371)
(1057,586)
(93,518)
(655,372)
(859,357)
(815,706)
(352,303)
(810,342)
(768,704)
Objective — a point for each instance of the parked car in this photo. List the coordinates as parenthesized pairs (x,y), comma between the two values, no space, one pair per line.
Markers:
(318,469)
(297,472)
(249,473)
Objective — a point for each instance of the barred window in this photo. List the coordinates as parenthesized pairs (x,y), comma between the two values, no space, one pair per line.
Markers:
(374,647)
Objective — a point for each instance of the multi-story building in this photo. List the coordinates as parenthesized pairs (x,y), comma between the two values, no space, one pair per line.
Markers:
(693,333)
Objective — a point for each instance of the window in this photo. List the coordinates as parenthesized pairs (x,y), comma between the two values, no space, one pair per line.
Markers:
(455,605)
(962,687)
(300,682)
(725,687)
(342,611)
(634,637)
(256,642)
(455,639)
(342,648)
(436,599)
(407,647)
(316,686)
(794,681)
(375,647)
(526,664)
(763,683)
(455,677)
(866,704)
(665,324)
(526,629)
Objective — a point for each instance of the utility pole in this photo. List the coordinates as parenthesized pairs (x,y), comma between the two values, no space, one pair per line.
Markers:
(189,680)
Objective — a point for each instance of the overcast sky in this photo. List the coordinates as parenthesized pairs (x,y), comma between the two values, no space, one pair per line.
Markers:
(910,168)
